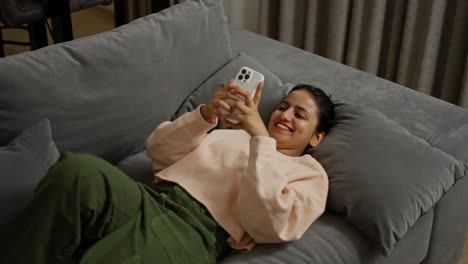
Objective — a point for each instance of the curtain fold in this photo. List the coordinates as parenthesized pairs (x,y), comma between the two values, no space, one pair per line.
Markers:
(421,44)
(136,9)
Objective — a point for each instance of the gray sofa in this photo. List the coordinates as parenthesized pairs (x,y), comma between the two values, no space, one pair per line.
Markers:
(396,158)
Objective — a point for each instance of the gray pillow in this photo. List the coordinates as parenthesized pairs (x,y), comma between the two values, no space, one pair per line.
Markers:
(273,89)
(23,162)
(106,93)
(382,178)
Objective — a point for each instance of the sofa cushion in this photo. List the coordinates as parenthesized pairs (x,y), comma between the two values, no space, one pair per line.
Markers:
(382,178)
(331,240)
(138,167)
(23,162)
(273,90)
(106,93)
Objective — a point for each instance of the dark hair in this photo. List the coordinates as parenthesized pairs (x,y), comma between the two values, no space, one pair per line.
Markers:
(326,118)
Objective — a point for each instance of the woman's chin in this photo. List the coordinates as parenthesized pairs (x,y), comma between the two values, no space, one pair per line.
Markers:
(280,137)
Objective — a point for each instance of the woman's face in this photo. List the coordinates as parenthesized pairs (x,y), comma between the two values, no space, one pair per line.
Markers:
(293,124)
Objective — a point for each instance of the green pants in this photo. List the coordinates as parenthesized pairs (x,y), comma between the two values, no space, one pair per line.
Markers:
(88,211)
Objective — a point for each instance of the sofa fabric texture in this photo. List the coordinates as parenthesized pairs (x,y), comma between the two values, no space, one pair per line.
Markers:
(104,94)
(138,167)
(23,162)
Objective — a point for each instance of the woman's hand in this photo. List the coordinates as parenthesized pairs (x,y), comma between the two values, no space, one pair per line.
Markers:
(249,118)
(210,111)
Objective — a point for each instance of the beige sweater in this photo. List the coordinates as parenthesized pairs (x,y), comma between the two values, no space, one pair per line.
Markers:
(257,194)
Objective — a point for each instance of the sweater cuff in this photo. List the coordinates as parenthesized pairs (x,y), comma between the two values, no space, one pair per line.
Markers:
(197,122)
(262,144)
(200,117)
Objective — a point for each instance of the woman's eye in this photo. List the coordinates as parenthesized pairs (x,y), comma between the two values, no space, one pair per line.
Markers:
(300,116)
(281,108)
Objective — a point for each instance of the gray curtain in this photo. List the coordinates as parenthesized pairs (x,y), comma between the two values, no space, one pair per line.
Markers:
(137,8)
(421,44)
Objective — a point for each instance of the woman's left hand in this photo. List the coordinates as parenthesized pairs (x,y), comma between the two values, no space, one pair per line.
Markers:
(249,118)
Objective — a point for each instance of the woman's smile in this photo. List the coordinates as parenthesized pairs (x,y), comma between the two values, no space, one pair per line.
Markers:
(283,128)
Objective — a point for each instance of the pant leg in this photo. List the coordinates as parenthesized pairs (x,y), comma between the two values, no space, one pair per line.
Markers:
(81,200)
(158,234)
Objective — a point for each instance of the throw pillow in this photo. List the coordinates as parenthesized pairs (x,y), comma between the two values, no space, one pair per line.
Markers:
(23,162)
(382,178)
(273,89)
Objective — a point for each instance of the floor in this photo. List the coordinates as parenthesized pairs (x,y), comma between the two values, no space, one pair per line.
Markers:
(98,19)
(464,258)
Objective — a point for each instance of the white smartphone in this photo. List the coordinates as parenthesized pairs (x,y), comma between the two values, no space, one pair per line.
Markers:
(247,79)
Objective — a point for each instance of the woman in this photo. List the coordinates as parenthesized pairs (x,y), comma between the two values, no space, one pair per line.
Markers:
(213,191)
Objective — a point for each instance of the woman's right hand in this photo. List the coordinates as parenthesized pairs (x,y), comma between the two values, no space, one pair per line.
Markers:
(210,111)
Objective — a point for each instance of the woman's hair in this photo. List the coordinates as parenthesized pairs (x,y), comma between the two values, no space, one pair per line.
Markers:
(326,118)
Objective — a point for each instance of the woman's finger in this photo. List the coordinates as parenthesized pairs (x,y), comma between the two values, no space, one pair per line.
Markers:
(223,90)
(241,106)
(244,93)
(258,93)
(237,117)
(235,97)
(224,105)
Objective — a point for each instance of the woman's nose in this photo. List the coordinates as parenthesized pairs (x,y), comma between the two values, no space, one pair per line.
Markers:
(286,115)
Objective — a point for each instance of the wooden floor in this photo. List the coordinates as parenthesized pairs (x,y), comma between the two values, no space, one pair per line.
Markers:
(464,258)
(99,19)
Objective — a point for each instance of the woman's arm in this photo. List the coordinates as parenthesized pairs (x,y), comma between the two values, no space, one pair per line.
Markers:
(170,141)
(279,200)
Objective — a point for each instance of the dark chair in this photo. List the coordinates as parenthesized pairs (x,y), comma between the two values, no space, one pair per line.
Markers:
(32,15)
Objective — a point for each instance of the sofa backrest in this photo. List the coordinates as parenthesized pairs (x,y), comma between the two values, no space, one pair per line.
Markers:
(105,93)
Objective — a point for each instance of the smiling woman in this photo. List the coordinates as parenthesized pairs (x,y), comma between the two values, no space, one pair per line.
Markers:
(303,118)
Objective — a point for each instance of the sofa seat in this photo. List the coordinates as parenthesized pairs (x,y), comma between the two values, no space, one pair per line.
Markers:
(331,240)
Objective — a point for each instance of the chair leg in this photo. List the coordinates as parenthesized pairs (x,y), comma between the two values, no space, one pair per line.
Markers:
(38,35)
(62,28)
(158,5)
(62,22)
(119,12)
(2,52)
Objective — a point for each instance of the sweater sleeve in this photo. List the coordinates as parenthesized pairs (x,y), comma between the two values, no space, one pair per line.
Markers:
(279,199)
(171,141)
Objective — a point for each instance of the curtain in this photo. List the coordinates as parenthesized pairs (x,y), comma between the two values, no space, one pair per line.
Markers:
(421,44)
(133,9)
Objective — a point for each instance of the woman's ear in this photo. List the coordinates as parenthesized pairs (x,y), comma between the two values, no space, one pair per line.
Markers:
(316,139)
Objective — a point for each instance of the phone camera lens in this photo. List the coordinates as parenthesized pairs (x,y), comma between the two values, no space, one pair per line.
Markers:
(247,77)
(244,71)
(240,77)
